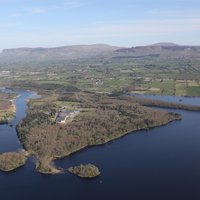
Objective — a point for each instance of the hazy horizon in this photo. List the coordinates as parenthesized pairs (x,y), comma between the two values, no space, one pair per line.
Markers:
(119,23)
(30,47)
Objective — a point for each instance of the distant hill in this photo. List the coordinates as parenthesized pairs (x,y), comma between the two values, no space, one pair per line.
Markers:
(161,50)
(168,44)
(58,53)
(97,53)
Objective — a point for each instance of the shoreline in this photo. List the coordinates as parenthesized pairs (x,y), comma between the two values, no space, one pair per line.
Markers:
(56,170)
(11,111)
(52,169)
(13,108)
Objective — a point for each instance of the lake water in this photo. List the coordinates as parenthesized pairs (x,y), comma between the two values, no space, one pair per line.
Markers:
(163,163)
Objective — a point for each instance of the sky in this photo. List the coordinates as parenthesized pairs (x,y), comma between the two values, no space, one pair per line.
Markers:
(124,23)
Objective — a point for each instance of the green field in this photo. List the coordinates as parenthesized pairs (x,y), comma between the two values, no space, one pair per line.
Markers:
(143,70)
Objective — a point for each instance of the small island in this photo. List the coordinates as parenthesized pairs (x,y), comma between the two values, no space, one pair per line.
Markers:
(11,161)
(85,171)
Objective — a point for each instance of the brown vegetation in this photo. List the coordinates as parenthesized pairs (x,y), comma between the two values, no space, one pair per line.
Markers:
(102,119)
(11,161)
(163,104)
(7,108)
(85,171)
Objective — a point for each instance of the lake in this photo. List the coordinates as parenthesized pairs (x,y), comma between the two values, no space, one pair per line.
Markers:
(162,163)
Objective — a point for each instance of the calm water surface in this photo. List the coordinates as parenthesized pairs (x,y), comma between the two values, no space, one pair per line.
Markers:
(163,163)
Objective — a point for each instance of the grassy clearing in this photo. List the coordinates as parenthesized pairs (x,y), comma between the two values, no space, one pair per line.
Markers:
(193,91)
(166,87)
(181,88)
(161,87)
(65,103)
(192,83)
(115,84)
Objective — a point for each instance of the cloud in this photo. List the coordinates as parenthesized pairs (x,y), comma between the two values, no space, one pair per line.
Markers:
(16,15)
(28,11)
(41,10)
(118,33)
(142,28)
(7,25)
(127,31)
(175,13)
(73,4)
(36,10)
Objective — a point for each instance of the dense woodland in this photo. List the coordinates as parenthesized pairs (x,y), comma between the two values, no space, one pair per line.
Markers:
(12,160)
(85,171)
(102,119)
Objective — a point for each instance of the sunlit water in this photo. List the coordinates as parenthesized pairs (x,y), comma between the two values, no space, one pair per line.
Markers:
(163,163)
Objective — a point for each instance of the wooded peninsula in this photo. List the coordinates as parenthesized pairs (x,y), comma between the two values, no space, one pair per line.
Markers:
(100,118)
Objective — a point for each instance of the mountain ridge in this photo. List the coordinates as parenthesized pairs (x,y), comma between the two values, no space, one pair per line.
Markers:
(96,53)
(56,53)
(62,47)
